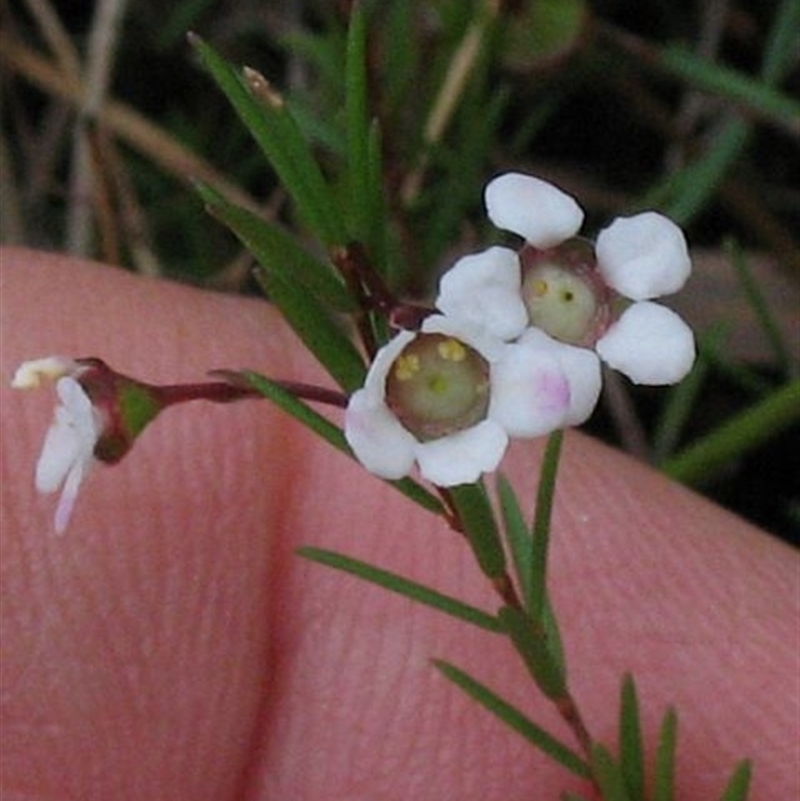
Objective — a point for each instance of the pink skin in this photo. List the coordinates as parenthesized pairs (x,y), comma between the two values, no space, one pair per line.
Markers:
(170,646)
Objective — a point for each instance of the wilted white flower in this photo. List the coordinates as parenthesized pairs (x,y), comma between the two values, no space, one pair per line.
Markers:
(448,398)
(68,451)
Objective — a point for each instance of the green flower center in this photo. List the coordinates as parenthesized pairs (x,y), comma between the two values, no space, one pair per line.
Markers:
(558,292)
(437,386)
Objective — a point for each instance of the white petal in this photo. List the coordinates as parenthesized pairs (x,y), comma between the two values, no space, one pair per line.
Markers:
(644,256)
(71,437)
(582,368)
(538,211)
(30,374)
(378,440)
(68,495)
(461,458)
(530,393)
(483,289)
(375,383)
(650,344)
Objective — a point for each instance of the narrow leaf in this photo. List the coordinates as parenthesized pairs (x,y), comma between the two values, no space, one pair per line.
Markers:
(757,96)
(360,200)
(608,776)
(541,525)
(530,642)
(630,739)
(737,435)
(477,517)
(271,124)
(738,788)
(664,773)
(517,534)
(303,311)
(403,586)
(281,250)
(301,411)
(512,717)
(760,307)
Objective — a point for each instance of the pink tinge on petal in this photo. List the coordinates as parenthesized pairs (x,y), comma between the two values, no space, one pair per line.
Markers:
(644,256)
(483,289)
(650,344)
(461,458)
(582,369)
(536,210)
(378,440)
(530,391)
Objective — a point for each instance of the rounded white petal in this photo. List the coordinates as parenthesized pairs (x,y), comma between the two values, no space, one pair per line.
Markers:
(538,211)
(644,256)
(650,344)
(378,440)
(71,438)
(483,289)
(582,368)
(530,392)
(30,374)
(461,458)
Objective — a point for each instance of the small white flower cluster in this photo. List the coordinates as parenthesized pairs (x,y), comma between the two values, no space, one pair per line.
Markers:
(541,318)
(68,451)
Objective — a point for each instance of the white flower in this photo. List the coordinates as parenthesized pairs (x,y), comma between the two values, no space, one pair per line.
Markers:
(564,287)
(68,450)
(489,390)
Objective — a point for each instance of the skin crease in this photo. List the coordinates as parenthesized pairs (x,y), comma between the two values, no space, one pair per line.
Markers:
(171,646)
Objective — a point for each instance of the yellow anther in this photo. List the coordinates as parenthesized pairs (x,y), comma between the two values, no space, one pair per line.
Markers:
(451,350)
(406,366)
(540,288)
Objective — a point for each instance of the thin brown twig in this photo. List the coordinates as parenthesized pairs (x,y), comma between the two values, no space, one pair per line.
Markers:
(96,77)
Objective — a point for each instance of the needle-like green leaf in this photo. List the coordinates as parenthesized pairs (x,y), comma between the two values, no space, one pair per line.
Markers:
(403,586)
(608,776)
(309,318)
(269,120)
(517,534)
(631,745)
(301,411)
(477,517)
(511,716)
(541,525)
(664,773)
(738,787)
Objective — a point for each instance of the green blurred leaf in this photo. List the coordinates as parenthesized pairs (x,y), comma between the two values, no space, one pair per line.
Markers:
(477,517)
(511,716)
(302,309)
(608,776)
(357,115)
(756,95)
(736,436)
(664,772)
(760,307)
(530,641)
(269,120)
(631,746)
(403,586)
(738,788)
